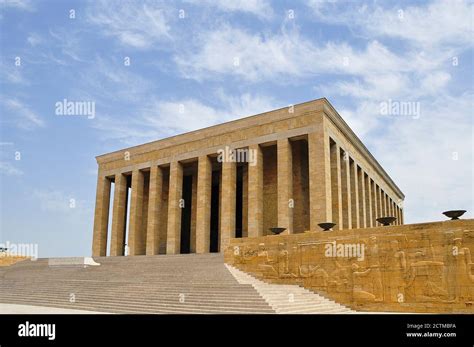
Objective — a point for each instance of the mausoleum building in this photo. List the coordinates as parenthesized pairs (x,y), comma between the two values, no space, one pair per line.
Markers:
(294,168)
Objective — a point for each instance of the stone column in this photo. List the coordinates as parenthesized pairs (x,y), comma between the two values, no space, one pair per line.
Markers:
(375,203)
(255,193)
(285,184)
(219,218)
(155,203)
(362,207)
(354,189)
(193,213)
(346,191)
(203,213)
(394,213)
(399,215)
(336,191)
(135,239)
(245,199)
(368,201)
(380,200)
(389,207)
(228,202)
(395,210)
(119,217)
(101,216)
(144,223)
(173,242)
(320,201)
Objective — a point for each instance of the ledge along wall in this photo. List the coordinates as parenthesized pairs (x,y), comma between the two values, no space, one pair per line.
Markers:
(409,268)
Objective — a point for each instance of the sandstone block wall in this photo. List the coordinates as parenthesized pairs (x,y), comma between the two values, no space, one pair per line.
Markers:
(410,268)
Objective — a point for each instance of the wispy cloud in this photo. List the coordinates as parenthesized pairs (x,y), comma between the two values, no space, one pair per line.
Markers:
(20,114)
(11,74)
(259,8)
(287,54)
(109,83)
(34,39)
(138,25)
(163,118)
(428,25)
(57,201)
(8,169)
(69,44)
(431,154)
(25,5)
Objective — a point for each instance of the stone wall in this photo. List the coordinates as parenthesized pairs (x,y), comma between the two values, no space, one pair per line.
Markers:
(410,268)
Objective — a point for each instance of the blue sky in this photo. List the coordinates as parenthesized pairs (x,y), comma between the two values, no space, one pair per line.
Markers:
(197,63)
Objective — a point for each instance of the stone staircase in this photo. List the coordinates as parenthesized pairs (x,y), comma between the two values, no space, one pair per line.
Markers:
(154,284)
(290,299)
(141,284)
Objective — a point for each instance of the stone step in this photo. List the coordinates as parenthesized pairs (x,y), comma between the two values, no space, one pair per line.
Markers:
(241,294)
(134,297)
(126,307)
(314,310)
(128,285)
(256,305)
(153,284)
(278,296)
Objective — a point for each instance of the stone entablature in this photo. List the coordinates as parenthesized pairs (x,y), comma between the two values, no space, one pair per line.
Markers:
(261,128)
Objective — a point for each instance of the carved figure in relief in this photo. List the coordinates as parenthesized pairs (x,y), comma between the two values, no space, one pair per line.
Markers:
(265,264)
(450,278)
(373,259)
(463,270)
(424,282)
(316,275)
(358,282)
(283,261)
(396,267)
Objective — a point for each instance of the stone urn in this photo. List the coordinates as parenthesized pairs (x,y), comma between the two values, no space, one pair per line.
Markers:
(277,230)
(454,214)
(386,221)
(327,226)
